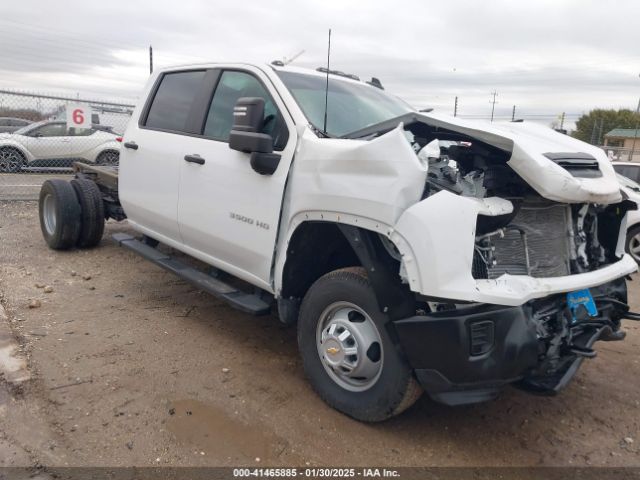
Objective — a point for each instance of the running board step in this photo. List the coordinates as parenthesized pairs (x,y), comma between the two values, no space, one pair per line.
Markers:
(249,303)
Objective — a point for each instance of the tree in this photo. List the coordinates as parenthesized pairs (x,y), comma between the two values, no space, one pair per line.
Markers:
(593,126)
(26,113)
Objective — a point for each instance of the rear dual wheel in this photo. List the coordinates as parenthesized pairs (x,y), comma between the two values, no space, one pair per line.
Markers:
(71,213)
(92,212)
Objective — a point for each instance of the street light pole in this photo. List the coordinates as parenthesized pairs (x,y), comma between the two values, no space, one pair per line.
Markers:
(635,135)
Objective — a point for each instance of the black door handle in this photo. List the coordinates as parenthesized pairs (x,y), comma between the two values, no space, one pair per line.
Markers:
(131,145)
(194,159)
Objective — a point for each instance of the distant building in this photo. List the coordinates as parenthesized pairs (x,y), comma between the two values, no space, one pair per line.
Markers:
(622,138)
(623,144)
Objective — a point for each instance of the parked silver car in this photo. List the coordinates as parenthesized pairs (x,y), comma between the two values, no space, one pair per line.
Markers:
(11,124)
(51,144)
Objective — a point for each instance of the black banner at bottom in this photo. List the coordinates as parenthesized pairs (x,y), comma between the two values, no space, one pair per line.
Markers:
(286,473)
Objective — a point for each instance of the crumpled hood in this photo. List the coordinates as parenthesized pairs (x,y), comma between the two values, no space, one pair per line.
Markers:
(528,144)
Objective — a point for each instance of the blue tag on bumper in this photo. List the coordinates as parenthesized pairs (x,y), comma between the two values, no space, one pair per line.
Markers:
(580,300)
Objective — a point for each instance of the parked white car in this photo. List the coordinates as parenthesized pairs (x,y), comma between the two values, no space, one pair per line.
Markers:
(630,170)
(53,144)
(632,190)
(11,124)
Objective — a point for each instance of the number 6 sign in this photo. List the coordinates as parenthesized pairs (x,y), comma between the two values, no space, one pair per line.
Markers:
(78,115)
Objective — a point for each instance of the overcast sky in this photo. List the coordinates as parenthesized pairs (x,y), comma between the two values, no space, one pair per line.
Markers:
(543,56)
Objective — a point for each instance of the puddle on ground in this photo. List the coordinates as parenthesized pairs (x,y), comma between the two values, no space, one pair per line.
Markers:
(12,366)
(220,435)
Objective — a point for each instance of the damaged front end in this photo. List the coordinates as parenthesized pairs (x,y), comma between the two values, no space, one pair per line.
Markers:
(514,224)
(497,230)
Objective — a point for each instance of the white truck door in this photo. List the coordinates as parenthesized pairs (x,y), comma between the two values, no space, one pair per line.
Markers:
(153,152)
(228,214)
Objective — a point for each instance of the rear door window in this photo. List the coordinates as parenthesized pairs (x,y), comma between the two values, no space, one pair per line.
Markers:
(173,100)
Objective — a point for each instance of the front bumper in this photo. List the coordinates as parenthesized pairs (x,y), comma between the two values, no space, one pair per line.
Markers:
(518,289)
(468,355)
(439,348)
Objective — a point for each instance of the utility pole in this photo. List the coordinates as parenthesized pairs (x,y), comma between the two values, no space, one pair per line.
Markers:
(150,59)
(493,103)
(562,121)
(593,132)
(635,135)
(455,107)
(513,113)
(600,131)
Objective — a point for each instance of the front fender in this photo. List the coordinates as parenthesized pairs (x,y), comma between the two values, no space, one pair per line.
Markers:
(436,238)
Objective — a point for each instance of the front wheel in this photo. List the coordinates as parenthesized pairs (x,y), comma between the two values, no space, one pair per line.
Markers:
(347,352)
(11,160)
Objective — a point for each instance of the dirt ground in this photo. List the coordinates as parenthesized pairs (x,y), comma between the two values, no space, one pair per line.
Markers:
(131,366)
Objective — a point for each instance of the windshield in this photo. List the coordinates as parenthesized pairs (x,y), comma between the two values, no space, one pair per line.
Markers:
(350,106)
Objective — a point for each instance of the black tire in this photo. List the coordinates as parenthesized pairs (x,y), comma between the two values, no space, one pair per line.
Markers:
(108,157)
(394,390)
(11,160)
(92,212)
(631,243)
(59,212)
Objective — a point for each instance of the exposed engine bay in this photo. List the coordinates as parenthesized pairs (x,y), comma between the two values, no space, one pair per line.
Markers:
(540,238)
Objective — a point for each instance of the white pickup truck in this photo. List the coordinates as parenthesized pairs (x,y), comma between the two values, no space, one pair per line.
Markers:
(414,251)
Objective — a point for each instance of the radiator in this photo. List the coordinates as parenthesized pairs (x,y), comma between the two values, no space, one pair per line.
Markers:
(546,228)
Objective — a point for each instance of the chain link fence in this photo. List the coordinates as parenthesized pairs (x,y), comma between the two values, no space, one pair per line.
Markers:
(622,154)
(41,136)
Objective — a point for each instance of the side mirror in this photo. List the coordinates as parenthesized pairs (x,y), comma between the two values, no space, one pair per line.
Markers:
(245,136)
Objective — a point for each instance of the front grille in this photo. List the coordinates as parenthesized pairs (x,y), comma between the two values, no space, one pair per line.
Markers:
(546,236)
